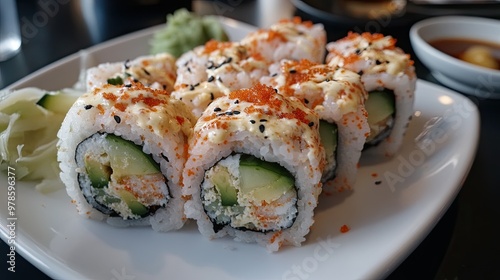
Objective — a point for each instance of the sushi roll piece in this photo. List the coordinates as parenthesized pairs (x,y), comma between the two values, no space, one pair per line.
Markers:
(289,39)
(214,70)
(155,71)
(388,75)
(337,96)
(121,151)
(254,168)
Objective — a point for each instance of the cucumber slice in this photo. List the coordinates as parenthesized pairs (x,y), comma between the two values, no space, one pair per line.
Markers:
(329,139)
(58,102)
(222,182)
(127,158)
(380,106)
(273,191)
(263,180)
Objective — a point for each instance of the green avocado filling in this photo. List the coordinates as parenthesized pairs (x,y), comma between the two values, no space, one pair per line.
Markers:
(381,111)
(238,185)
(113,170)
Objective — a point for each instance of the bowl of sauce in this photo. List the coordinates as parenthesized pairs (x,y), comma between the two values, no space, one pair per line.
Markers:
(461,52)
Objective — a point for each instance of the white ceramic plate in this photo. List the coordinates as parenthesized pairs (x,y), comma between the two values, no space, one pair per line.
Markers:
(393,207)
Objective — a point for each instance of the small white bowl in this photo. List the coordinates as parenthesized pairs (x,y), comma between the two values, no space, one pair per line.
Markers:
(453,72)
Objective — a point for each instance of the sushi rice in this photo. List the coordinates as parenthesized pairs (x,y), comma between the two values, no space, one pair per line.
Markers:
(383,66)
(259,123)
(112,131)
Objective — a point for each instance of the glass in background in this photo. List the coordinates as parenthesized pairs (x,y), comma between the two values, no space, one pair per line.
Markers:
(10,35)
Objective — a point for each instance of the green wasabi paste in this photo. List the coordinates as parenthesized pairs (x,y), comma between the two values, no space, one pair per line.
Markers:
(184,31)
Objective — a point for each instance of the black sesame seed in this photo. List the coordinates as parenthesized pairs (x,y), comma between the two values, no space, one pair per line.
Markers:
(210,65)
(164,87)
(274,75)
(165,157)
(236,101)
(236,112)
(189,69)
(265,137)
(262,128)
(191,87)
(197,84)
(306,101)
(128,85)
(126,64)
(293,71)
(311,124)
(87,107)
(358,51)
(136,81)
(220,114)
(217,109)
(378,182)
(360,73)
(228,60)
(186,63)
(212,97)
(117,119)
(211,79)
(276,90)
(263,120)
(229,113)
(146,71)
(219,79)
(378,62)
(252,121)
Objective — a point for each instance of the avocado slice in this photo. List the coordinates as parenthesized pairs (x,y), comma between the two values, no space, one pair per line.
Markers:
(222,182)
(135,206)
(380,106)
(99,174)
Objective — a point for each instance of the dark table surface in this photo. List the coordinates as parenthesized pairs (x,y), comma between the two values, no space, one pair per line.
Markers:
(464,244)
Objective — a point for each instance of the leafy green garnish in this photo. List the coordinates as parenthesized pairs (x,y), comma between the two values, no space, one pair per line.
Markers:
(116,81)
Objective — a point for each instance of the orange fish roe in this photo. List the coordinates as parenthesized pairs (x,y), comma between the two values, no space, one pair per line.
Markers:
(109,96)
(271,35)
(344,228)
(214,45)
(259,95)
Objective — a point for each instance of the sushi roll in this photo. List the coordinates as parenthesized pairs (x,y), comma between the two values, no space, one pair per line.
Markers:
(214,70)
(337,96)
(121,151)
(288,39)
(388,76)
(155,71)
(254,168)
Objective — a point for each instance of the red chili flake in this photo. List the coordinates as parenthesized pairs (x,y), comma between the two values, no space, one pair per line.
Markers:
(344,228)
(374,175)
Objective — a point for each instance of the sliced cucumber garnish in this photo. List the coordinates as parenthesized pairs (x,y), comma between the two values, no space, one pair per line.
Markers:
(58,102)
